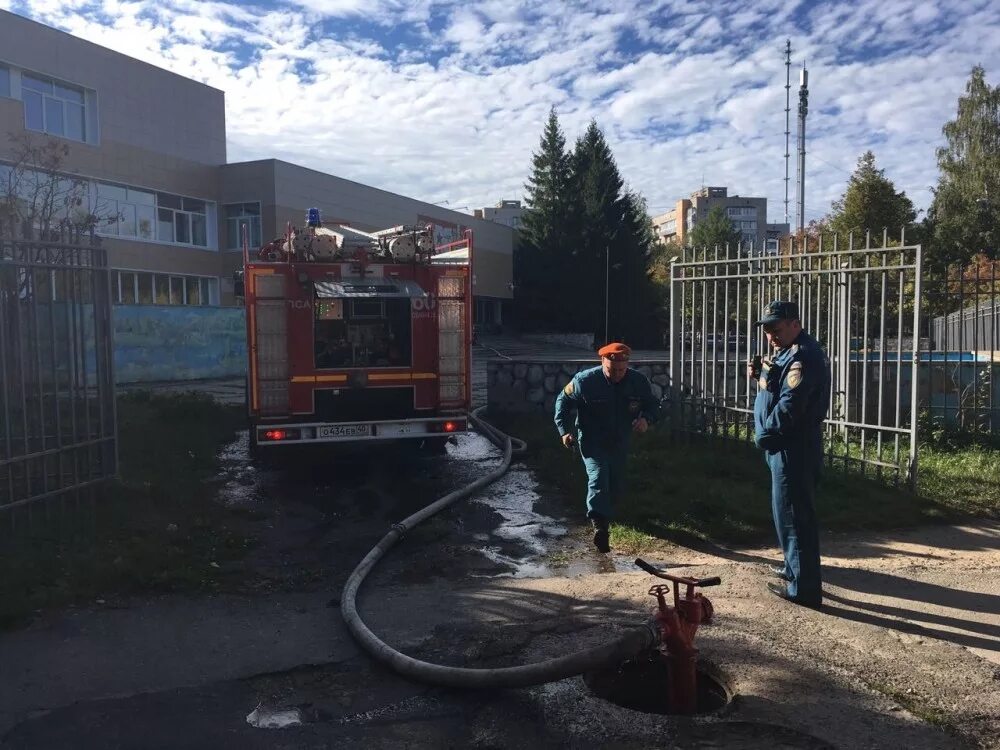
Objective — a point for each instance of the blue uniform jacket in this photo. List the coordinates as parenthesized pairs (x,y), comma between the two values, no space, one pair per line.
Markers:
(604,410)
(793,396)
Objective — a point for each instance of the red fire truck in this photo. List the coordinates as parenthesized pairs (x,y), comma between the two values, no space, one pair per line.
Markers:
(356,337)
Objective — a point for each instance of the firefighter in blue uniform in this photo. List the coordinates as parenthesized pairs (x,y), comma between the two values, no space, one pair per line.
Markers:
(792,399)
(611,402)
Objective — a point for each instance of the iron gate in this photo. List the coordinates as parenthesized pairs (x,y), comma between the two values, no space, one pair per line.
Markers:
(858,301)
(58,433)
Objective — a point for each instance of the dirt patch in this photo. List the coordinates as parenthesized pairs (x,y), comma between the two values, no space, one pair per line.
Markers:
(904,653)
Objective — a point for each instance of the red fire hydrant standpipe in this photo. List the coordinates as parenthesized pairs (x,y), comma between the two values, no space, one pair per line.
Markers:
(678,625)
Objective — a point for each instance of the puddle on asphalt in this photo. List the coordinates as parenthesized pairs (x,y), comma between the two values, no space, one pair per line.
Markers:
(265,717)
(472,446)
(519,543)
(242,480)
(405,709)
(513,498)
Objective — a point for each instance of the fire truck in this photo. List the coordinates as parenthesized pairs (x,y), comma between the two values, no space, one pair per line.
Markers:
(357,337)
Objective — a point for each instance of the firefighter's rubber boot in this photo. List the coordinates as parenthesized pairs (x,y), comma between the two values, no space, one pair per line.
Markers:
(601,536)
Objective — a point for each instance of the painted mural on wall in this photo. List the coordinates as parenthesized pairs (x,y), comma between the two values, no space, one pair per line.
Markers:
(154,343)
(445,232)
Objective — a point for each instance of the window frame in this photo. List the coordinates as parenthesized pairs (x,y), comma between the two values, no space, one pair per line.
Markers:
(147,207)
(237,222)
(182,216)
(50,97)
(128,287)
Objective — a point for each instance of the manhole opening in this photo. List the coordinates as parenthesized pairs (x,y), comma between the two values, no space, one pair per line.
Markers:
(642,683)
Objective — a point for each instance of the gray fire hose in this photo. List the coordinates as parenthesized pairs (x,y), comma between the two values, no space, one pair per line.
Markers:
(628,644)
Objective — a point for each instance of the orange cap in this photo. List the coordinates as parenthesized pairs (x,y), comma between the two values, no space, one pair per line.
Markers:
(615,352)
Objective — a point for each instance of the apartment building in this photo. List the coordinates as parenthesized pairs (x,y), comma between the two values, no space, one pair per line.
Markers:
(504,212)
(776,235)
(146,150)
(748,216)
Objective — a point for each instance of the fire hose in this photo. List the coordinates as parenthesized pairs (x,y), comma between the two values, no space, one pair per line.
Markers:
(628,644)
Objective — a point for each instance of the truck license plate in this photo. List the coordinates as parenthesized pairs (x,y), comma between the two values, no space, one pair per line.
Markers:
(345,431)
(397,429)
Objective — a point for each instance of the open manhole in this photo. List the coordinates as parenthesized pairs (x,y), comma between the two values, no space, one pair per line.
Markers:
(642,683)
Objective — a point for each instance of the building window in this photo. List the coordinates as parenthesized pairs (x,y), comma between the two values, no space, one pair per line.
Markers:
(737,212)
(240,217)
(125,212)
(52,107)
(144,288)
(181,221)
(4,81)
(118,211)
(46,197)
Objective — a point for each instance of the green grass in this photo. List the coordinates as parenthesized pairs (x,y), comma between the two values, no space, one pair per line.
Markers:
(156,528)
(965,480)
(720,489)
(917,706)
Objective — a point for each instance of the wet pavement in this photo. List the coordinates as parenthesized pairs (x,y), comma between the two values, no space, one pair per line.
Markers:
(318,515)
(314,519)
(320,507)
(271,665)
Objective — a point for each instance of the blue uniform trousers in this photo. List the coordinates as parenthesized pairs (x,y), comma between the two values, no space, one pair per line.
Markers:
(794,476)
(605,480)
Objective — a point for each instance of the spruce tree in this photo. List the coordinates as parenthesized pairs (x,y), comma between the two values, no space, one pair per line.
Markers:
(546,191)
(640,301)
(871,204)
(600,211)
(586,239)
(614,248)
(544,244)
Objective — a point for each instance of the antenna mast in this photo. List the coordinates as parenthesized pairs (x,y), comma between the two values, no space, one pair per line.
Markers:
(801,178)
(788,111)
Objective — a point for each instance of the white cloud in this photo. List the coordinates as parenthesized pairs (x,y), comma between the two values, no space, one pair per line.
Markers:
(456,114)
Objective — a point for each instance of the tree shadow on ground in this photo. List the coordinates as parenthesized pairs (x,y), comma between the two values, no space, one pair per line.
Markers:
(976,634)
(356,700)
(869,614)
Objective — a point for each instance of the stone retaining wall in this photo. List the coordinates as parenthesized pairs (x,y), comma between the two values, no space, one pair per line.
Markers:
(531,385)
(575,340)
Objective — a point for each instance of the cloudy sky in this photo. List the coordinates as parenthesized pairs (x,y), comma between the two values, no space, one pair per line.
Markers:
(445,100)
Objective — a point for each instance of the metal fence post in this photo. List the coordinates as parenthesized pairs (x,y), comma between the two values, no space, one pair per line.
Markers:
(676,312)
(915,373)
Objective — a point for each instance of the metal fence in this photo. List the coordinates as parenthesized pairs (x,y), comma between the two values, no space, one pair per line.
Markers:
(960,379)
(859,301)
(58,437)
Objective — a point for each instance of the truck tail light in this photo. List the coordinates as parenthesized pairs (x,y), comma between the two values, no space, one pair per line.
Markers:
(277,435)
(452,425)
(451,339)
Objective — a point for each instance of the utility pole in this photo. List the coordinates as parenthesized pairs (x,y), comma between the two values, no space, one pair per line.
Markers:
(800,183)
(607,285)
(788,116)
